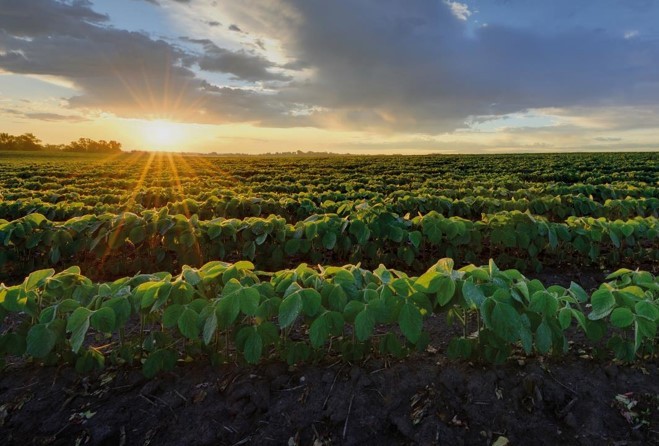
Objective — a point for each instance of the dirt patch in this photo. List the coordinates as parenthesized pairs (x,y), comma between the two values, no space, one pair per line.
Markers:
(422,400)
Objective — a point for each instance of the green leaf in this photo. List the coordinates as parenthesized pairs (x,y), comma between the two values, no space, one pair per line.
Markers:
(329,240)
(364,324)
(391,345)
(647,310)
(137,234)
(602,302)
(396,234)
(595,330)
(337,298)
(445,290)
(214,231)
(643,328)
(505,322)
(159,360)
(319,331)
(526,337)
(292,246)
(622,317)
(249,250)
(38,278)
(410,322)
(171,315)
(40,341)
(415,238)
(618,273)
(269,333)
(544,302)
(77,325)
(210,326)
(67,305)
(290,309)
(445,265)
(103,319)
(472,293)
(578,292)
(89,360)
(432,229)
(459,348)
(553,240)
(249,300)
(627,230)
(428,282)
(47,315)
(244,265)
(188,323)
(253,346)
(565,317)
(191,275)
(351,310)
(543,337)
(228,309)
(311,301)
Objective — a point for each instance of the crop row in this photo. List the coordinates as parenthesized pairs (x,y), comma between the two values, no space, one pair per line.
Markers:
(126,243)
(300,174)
(98,190)
(554,208)
(224,312)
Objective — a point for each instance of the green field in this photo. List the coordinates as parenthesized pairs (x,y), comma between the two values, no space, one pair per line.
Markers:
(202,248)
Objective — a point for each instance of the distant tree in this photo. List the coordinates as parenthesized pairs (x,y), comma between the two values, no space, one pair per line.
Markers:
(53,147)
(26,142)
(87,145)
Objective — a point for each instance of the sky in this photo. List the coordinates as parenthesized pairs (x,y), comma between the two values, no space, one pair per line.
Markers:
(348,76)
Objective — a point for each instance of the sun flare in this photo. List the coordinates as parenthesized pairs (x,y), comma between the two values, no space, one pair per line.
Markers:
(161,134)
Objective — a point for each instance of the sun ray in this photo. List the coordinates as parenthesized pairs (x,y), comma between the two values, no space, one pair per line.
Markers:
(177,179)
(112,238)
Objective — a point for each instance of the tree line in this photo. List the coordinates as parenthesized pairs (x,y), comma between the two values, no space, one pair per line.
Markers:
(29,142)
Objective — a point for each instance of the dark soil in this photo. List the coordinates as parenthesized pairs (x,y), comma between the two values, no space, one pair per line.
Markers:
(424,399)
(421,400)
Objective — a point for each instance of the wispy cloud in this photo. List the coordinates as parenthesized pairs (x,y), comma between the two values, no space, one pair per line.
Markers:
(459,10)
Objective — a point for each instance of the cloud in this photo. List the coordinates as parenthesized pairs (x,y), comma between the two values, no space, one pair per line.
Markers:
(459,10)
(412,67)
(128,73)
(159,2)
(375,65)
(43,116)
(240,64)
(55,117)
(607,139)
(235,28)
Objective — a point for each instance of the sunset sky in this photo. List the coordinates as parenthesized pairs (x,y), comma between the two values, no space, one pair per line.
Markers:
(359,76)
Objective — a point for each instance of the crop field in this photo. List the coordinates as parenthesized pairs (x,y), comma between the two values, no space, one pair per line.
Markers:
(419,300)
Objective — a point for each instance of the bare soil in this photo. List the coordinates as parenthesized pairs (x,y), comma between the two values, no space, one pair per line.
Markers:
(422,400)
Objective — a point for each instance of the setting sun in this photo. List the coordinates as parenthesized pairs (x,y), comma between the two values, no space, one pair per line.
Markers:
(161,134)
